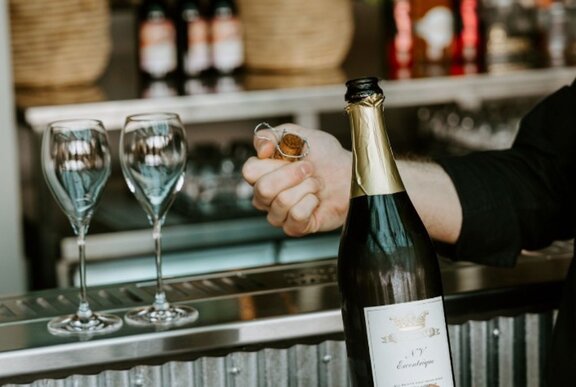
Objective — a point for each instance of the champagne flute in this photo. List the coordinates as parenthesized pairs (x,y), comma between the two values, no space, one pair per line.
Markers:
(153,157)
(76,166)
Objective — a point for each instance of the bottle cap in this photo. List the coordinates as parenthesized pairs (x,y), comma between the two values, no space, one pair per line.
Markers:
(361,88)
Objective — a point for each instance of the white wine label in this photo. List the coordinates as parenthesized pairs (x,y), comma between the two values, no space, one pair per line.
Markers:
(158,47)
(197,58)
(227,44)
(409,344)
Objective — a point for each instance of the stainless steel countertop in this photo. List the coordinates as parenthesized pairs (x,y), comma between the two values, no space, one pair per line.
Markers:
(237,309)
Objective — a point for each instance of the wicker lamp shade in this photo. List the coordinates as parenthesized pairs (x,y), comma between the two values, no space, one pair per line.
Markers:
(59,42)
(296,35)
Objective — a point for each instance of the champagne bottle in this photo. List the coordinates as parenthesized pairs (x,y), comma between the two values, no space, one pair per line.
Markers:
(157,53)
(227,43)
(388,271)
(193,39)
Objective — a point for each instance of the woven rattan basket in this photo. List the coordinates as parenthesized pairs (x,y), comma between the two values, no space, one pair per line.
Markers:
(296,35)
(59,42)
(259,80)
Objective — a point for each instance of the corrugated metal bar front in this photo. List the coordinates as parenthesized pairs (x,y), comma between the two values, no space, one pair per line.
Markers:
(503,351)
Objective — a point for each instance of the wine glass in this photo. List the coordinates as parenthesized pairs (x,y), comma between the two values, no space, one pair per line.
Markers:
(153,157)
(76,166)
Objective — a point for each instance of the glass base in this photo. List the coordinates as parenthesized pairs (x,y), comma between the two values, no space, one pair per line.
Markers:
(173,315)
(73,325)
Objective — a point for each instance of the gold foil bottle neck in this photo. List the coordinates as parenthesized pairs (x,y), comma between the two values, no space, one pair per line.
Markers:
(374,168)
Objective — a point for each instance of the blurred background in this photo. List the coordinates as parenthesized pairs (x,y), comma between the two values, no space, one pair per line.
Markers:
(457,75)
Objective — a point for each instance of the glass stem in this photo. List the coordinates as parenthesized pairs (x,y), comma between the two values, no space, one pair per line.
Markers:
(160,302)
(84,311)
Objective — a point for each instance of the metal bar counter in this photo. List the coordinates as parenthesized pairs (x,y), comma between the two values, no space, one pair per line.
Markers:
(257,314)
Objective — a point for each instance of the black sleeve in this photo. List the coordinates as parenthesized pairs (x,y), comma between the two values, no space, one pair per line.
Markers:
(522,197)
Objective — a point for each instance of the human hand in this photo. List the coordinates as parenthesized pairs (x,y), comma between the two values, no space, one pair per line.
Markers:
(305,196)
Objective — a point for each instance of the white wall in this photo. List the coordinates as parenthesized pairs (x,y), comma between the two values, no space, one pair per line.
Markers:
(12,268)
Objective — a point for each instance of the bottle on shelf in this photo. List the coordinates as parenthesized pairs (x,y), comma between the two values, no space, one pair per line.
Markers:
(433,22)
(388,271)
(156,34)
(512,35)
(399,39)
(227,38)
(570,6)
(194,57)
(467,57)
(556,34)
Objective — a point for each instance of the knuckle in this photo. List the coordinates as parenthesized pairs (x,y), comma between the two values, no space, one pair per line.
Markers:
(298,215)
(303,213)
(314,185)
(282,200)
(257,204)
(303,169)
(273,220)
(264,191)
(292,231)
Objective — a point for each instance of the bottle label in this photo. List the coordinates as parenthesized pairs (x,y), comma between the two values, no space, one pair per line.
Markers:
(158,47)
(198,55)
(435,28)
(505,52)
(403,41)
(470,29)
(228,48)
(409,344)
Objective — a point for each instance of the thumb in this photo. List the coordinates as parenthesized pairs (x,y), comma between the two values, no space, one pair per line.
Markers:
(264,143)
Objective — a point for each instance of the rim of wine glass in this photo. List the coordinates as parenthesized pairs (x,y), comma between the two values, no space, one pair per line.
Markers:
(77,124)
(152,116)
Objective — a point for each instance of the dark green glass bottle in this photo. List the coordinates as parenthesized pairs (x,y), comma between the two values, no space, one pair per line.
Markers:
(388,271)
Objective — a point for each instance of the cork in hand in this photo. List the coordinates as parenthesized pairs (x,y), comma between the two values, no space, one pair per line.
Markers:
(290,148)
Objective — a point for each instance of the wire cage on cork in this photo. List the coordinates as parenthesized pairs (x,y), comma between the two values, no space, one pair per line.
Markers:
(296,35)
(59,42)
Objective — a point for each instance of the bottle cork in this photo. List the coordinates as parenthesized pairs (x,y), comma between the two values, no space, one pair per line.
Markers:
(290,147)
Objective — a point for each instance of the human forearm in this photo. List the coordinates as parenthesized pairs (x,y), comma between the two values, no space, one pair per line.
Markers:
(435,198)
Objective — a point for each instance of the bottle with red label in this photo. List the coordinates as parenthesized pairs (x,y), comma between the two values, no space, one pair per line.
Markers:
(399,39)
(227,39)
(193,24)
(156,32)
(467,57)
